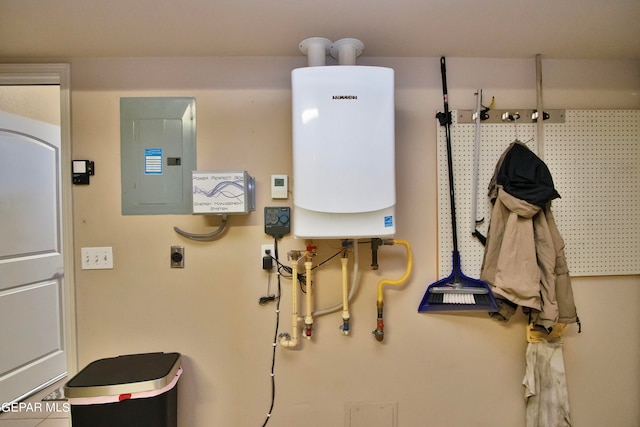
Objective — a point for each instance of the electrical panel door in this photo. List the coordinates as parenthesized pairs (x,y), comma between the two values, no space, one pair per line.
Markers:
(158,154)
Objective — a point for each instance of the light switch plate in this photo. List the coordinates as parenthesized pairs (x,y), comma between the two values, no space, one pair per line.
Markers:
(99,258)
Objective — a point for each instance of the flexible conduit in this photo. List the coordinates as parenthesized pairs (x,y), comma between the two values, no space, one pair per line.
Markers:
(204,237)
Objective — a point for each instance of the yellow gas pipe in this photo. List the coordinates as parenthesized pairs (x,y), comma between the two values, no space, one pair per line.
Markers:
(378,333)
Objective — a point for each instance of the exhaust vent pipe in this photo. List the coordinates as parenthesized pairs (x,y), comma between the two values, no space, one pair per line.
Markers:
(316,49)
(347,50)
(344,50)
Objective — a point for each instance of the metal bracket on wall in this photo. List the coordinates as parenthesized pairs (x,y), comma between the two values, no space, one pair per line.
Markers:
(511,116)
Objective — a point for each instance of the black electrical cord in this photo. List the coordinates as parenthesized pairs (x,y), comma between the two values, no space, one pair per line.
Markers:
(275,338)
(328,259)
(302,277)
(269,297)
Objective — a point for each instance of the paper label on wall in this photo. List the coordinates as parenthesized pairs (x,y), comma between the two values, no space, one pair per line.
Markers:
(153,161)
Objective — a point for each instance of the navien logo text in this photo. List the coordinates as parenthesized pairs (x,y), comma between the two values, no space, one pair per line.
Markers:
(344,97)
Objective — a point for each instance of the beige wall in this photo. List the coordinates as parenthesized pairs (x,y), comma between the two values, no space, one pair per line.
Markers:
(35,102)
(442,370)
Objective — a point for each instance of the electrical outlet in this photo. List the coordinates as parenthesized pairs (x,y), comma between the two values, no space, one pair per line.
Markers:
(267,250)
(177,256)
(97,258)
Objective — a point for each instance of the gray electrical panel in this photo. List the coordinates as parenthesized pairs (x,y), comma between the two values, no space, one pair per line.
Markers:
(158,154)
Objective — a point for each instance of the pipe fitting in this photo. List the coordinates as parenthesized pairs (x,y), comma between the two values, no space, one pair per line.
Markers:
(346,326)
(380,307)
(287,341)
(375,244)
(308,330)
(311,250)
(294,255)
(378,333)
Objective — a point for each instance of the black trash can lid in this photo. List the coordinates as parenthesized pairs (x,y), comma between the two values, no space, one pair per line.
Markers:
(124,374)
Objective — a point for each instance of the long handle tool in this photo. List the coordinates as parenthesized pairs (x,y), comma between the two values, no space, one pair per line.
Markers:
(456,292)
(476,170)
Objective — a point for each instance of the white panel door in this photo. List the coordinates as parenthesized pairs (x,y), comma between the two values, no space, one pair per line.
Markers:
(32,351)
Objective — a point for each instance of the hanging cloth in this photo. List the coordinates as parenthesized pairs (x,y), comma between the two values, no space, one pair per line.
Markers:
(547,399)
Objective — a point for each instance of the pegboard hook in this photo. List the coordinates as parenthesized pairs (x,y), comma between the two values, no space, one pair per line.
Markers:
(535,115)
(508,117)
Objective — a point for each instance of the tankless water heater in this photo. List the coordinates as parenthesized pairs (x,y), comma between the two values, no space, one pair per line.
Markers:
(343,152)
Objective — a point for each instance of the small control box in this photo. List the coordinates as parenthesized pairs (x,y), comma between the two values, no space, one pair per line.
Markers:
(277,221)
(81,171)
(279,187)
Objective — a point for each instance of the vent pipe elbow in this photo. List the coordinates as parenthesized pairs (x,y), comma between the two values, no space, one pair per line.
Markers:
(347,50)
(316,49)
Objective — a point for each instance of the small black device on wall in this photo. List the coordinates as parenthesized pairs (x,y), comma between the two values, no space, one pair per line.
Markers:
(81,170)
(277,221)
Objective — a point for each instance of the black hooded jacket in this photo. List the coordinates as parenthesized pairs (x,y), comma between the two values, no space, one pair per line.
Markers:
(525,176)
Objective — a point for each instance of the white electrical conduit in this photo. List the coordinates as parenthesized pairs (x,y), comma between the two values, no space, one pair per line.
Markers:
(354,285)
(308,319)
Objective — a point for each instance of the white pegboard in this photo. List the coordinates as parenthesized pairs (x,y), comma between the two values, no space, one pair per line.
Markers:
(594,158)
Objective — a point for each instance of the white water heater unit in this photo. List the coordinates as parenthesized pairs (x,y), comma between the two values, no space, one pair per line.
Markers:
(343,152)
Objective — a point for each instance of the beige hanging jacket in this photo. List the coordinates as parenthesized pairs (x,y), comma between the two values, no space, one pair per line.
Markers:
(524,260)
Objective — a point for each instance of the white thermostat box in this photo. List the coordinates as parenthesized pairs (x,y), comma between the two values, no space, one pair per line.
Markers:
(222,193)
(279,187)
